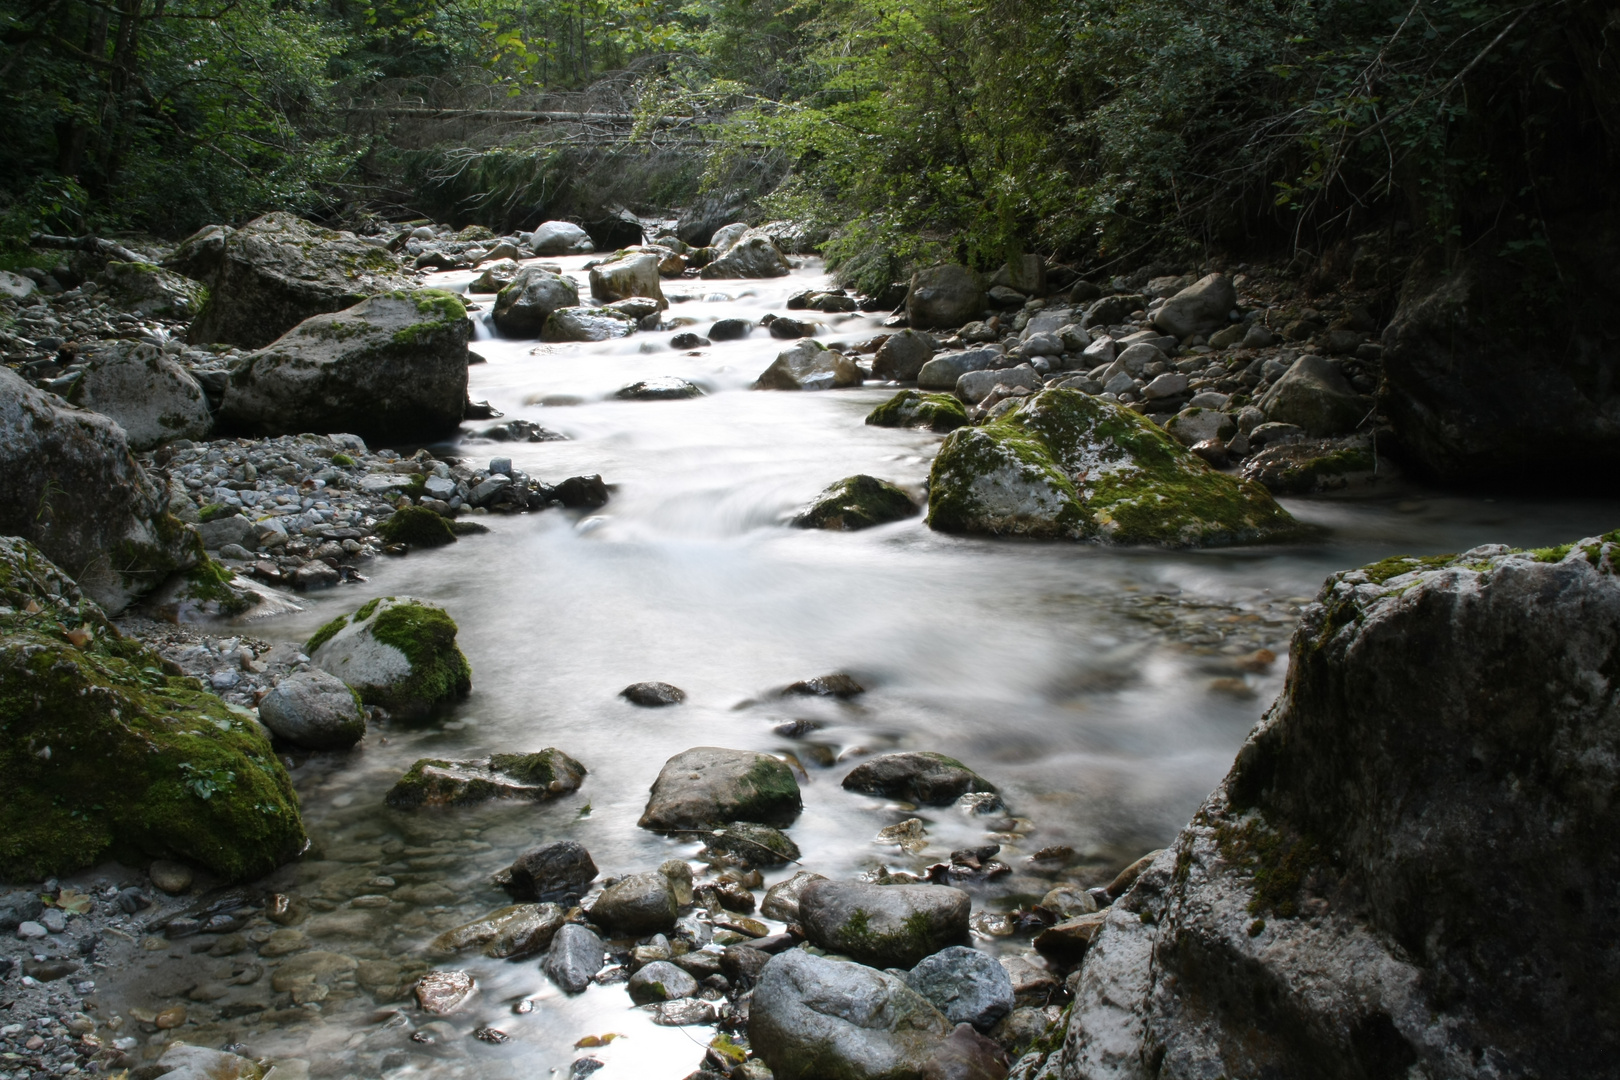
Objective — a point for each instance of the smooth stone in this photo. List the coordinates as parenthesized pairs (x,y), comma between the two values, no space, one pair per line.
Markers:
(314,710)
(708,786)
(554,871)
(924,778)
(443,992)
(575,956)
(172,877)
(883,925)
(661,981)
(782,899)
(653,695)
(638,904)
(968,986)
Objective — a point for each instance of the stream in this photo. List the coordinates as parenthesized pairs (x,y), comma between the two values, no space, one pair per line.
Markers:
(1103,690)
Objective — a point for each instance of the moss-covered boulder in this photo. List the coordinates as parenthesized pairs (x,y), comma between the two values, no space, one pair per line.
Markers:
(911,409)
(1316,466)
(152,290)
(153,398)
(397,652)
(532,777)
(1066,465)
(104,753)
(856,502)
(417,526)
(708,787)
(278,270)
(883,925)
(393,367)
(529,298)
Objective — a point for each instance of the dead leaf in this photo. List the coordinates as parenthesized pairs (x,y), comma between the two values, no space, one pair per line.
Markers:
(591,1041)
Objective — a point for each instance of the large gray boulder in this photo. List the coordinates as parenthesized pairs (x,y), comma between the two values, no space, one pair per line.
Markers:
(523,305)
(1316,396)
(587,324)
(944,296)
(707,787)
(883,925)
(152,290)
(968,986)
(942,372)
(922,777)
(393,367)
(278,270)
(396,651)
(1410,869)
(561,238)
(153,398)
(69,485)
(622,278)
(754,255)
(314,710)
(809,366)
(1201,308)
(902,356)
(814,1018)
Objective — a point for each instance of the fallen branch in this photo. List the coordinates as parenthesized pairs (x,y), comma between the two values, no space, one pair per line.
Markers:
(93,244)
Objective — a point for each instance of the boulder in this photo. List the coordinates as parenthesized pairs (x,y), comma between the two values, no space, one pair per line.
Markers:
(637,905)
(883,925)
(279,270)
(726,237)
(707,787)
(653,695)
(974,386)
(69,485)
(1408,870)
(908,408)
(755,255)
(968,986)
(95,761)
(1315,396)
(397,652)
(730,330)
(814,1018)
(902,356)
(1067,465)
(945,370)
(622,278)
(576,954)
(314,710)
(201,255)
(782,899)
(153,398)
(1194,425)
(527,301)
(556,871)
(1025,273)
(505,934)
(856,502)
(151,290)
(661,981)
(561,238)
(532,777)
(393,367)
(587,324)
(1201,308)
(923,778)
(753,844)
(1316,466)
(664,388)
(944,296)
(495,276)
(808,366)
(15,286)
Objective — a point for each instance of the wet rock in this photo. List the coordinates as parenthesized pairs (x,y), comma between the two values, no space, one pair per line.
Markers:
(314,710)
(856,502)
(908,408)
(152,397)
(708,787)
(782,899)
(944,296)
(575,956)
(837,684)
(629,276)
(1033,984)
(1068,940)
(653,695)
(1316,397)
(397,652)
(667,388)
(560,238)
(554,871)
(730,330)
(754,845)
(902,356)
(788,329)
(636,905)
(1200,308)
(587,324)
(1065,464)
(883,925)
(661,981)
(968,986)
(527,301)
(1316,466)
(172,877)
(944,371)
(688,341)
(534,777)
(924,778)
(443,992)
(417,527)
(813,1018)
(753,255)
(808,366)
(519,930)
(1068,901)
(495,276)
(181,1061)
(1192,426)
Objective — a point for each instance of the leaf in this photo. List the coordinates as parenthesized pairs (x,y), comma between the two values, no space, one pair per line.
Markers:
(76,902)
(592,1041)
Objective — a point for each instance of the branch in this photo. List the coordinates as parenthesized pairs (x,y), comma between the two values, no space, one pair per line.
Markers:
(86,243)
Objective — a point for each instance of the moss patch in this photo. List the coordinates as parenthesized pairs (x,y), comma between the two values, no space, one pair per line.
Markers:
(1277,860)
(909,408)
(427,637)
(416,526)
(768,794)
(325,633)
(857,502)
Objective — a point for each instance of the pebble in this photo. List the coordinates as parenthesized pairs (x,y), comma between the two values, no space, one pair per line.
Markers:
(31,930)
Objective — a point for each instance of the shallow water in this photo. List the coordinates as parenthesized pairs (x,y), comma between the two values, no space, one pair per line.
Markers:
(1093,685)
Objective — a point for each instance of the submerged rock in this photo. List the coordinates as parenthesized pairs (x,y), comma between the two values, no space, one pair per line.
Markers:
(554,871)
(152,397)
(908,408)
(507,933)
(314,710)
(527,301)
(1407,870)
(707,787)
(181,1061)
(536,777)
(397,652)
(920,777)
(856,502)
(883,925)
(1068,465)
(837,684)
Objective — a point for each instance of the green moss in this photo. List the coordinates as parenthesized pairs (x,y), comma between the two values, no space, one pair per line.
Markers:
(1278,861)
(857,502)
(769,794)
(210,582)
(1395,566)
(365,610)
(325,634)
(214,510)
(427,637)
(903,947)
(343,460)
(908,408)
(416,526)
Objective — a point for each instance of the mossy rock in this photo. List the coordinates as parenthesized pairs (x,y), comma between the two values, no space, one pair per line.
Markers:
(857,502)
(754,844)
(708,787)
(534,777)
(417,526)
(1305,468)
(396,652)
(1066,465)
(103,753)
(911,409)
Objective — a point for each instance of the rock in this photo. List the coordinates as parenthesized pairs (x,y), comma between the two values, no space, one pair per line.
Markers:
(743,964)
(15,286)
(1270,434)
(314,710)
(1032,983)
(560,238)
(667,388)
(688,341)
(535,777)
(397,652)
(496,276)
(1194,425)
(974,386)
(391,367)
(813,1018)
(1068,940)
(883,925)
(726,237)
(172,877)
(151,290)
(587,324)
(1314,467)
(1315,396)
(279,270)
(1170,384)
(661,981)
(924,778)
(730,330)
(783,327)
(1025,273)
(510,932)
(1200,308)
(944,296)
(944,370)
(754,844)
(94,760)
(808,366)
(181,1061)
(1067,901)
(782,899)
(29,930)
(1236,334)
(575,956)
(527,301)
(152,397)
(1406,850)
(856,502)
(555,871)
(908,408)
(1018,476)
(707,787)
(69,485)
(838,685)
(417,527)
(18,906)
(637,905)
(443,992)
(968,986)
(631,275)
(754,255)
(902,356)
(653,695)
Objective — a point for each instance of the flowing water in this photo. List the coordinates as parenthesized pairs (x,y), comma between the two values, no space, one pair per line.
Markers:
(1101,689)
